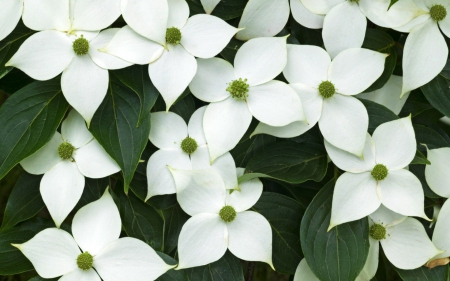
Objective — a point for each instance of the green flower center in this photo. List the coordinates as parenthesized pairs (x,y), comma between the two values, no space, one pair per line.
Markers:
(65,150)
(227,214)
(81,46)
(356,1)
(173,35)
(85,261)
(379,172)
(438,12)
(238,89)
(377,232)
(326,89)
(189,145)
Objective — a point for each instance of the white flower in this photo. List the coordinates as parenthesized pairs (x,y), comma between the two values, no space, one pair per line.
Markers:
(160,33)
(245,91)
(65,160)
(441,236)
(10,13)
(380,178)
(182,147)
(437,174)
(209,5)
(96,229)
(220,220)
(326,88)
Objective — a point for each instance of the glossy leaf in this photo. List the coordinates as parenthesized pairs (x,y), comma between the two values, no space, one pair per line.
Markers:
(227,268)
(225,10)
(378,114)
(439,273)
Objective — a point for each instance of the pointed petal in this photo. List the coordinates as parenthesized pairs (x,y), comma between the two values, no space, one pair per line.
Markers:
(74,130)
(415,22)
(94,15)
(200,158)
(172,73)
(53,252)
(97,224)
(304,273)
(438,173)
(195,126)
(178,13)
(386,216)
(226,168)
(61,188)
(81,275)
(344,123)
(129,259)
(399,14)
(209,5)
(225,123)
(445,24)
(275,103)
(44,55)
(168,130)
(103,59)
(371,266)
(93,161)
(304,16)
(321,7)
(9,16)
(440,234)
(45,158)
(261,60)
(246,195)
(395,143)
(46,14)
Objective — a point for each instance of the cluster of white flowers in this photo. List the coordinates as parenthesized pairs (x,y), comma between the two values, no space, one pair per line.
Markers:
(193,160)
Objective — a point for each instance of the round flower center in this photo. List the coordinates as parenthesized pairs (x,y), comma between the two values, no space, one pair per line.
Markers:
(173,35)
(377,232)
(379,172)
(189,145)
(81,46)
(65,150)
(227,214)
(356,1)
(438,12)
(326,89)
(85,261)
(238,89)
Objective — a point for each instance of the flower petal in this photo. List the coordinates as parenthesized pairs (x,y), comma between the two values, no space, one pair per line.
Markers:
(437,174)
(178,13)
(94,15)
(81,275)
(129,259)
(202,240)
(97,224)
(371,266)
(74,130)
(304,16)
(397,15)
(261,60)
(321,7)
(46,14)
(304,273)
(61,189)
(45,158)
(53,252)
(344,123)
(440,234)
(395,143)
(246,195)
(9,16)
(168,130)
(226,168)
(93,161)
(200,158)
(414,23)
(275,103)
(445,24)
(209,5)
(386,216)
(44,55)
(195,126)
(103,59)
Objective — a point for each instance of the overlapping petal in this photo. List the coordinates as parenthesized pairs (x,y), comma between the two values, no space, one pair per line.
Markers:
(168,130)
(46,14)
(304,16)
(45,158)
(74,130)
(93,161)
(437,173)
(9,16)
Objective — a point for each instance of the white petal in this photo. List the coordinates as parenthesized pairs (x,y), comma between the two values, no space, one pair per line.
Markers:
(401,192)
(45,158)
(172,73)
(84,86)
(354,70)
(250,237)
(246,195)
(395,143)
(263,18)
(81,275)
(129,259)
(178,13)
(209,5)
(321,7)
(445,24)
(97,224)
(261,60)
(61,188)
(424,57)
(304,16)
(46,14)
(440,234)
(344,27)
(344,123)
(168,130)
(355,196)
(205,36)
(200,158)
(93,161)
(103,59)
(350,162)
(44,55)
(438,173)
(371,266)
(202,240)
(275,103)
(9,16)
(414,23)
(74,130)
(94,15)
(148,18)
(304,273)
(159,179)
(431,3)
(225,123)
(386,216)
(307,65)
(399,14)
(130,46)
(421,4)
(53,252)
(211,81)
(407,246)
(195,126)
(200,191)
(226,168)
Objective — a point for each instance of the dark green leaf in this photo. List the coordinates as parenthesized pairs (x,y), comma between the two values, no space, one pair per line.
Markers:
(174,219)
(14,81)
(93,190)
(439,273)
(428,136)
(184,107)
(378,114)
(250,176)
(171,275)
(415,104)
(419,158)
(39,278)
(226,9)
(227,268)
(437,92)
(245,150)
(230,51)
(305,36)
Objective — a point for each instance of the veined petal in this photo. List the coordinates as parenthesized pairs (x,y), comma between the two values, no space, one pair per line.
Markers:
(438,173)
(94,15)
(246,195)
(102,59)
(81,275)
(46,14)
(226,168)
(9,16)
(93,161)
(74,130)
(195,126)
(397,15)
(321,7)
(178,13)
(304,273)
(304,16)
(168,130)
(417,21)
(209,5)
(45,158)
(440,234)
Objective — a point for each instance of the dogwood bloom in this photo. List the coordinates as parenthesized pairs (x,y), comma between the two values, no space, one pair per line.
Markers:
(437,173)
(65,160)
(96,229)
(182,147)
(10,14)
(379,178)
(236,94)
(326,88)
(220,220)
(167,39)
(440,234)
(209,5)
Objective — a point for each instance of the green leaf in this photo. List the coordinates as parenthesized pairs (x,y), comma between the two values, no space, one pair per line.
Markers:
(250,147)
(28,120)
(14,81)
(39,278)
(227,268)
(305,36)
(428,136)
(378,114)
(174,219)
(419,158)
(339,254)
(24,202)
(437,92)
(439,273)
(291,162)
(284,215)
(171,275)
(250,176)
(93,190)
(230,51)
(225,10)
(114,126)
(183,106)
